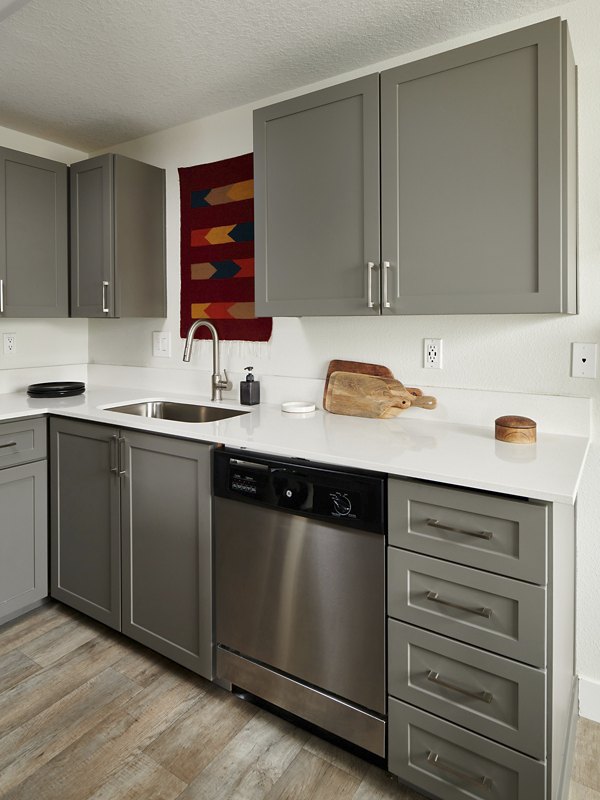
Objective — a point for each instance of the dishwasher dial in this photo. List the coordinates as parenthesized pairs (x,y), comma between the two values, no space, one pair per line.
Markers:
(341,503)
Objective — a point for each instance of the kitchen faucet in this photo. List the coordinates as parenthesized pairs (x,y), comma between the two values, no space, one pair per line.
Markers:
(217,383)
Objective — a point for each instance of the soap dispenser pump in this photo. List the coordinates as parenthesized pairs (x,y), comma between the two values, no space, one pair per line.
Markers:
(249,389)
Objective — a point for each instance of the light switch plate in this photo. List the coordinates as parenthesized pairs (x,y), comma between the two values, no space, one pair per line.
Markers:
(583,360)
(161,344)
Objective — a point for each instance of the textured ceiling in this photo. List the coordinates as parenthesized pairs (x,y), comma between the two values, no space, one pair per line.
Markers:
(92,73)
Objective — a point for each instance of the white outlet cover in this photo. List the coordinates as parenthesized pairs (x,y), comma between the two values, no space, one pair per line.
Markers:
(583,359)
(161,344)
(10,344)
(432,353)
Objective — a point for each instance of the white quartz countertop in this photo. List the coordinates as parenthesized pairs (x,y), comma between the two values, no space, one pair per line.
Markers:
(445,452)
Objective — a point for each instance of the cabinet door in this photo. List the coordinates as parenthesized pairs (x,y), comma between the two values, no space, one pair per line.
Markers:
(166,536)
(85,526)
(473,197)
(33,231)
(92,239)
(23,538)
(316,172)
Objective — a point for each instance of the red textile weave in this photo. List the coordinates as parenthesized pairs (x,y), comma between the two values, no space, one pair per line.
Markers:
(217,250)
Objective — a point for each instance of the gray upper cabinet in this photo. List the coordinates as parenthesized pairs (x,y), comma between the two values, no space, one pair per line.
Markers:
(117,238)
(316,167)
(477,150)
(33,231)
(478,186)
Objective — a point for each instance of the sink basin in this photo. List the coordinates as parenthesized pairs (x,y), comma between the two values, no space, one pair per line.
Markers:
(177,412)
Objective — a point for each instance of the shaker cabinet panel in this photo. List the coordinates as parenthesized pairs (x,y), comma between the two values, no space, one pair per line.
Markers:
(117,238)
(92,253)
(316,163)
(85,527)
(166,546)
(33,231)
(474,202)
(23,538)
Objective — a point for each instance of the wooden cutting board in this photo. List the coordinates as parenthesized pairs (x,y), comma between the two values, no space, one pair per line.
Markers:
(376,397)
(362,367)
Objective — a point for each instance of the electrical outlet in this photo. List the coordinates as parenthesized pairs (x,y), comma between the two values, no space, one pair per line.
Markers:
(432,353)
(583,360)
(10,344)
(161,344)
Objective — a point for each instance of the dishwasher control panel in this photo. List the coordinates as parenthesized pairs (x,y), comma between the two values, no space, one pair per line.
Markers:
(345,497)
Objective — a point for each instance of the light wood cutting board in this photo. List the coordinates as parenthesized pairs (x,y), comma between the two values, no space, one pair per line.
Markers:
(359,395)
(362,367)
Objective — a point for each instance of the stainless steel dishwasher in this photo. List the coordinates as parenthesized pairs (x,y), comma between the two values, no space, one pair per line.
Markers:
(300,590)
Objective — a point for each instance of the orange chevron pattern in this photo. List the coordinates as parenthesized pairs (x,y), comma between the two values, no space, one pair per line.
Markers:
(232,193)
(208,269)
(222,310)
(206,236)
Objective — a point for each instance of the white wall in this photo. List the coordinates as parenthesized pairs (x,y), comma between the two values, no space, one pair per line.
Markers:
(517,353)
(43,342)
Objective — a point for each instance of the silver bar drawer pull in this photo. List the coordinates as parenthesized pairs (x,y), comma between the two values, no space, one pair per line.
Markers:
(1,296)
(114,453)
(481,612)
(122,464)
(384,284)
(475,780)
(434,523)
(370,268)
(434,677)
(105,307)
(9,444)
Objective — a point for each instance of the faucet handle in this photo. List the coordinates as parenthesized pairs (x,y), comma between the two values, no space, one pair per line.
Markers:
(223,383)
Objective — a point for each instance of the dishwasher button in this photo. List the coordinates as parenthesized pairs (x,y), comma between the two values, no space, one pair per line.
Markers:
(341,504)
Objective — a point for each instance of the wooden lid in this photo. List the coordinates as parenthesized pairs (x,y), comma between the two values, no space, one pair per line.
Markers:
(515,422)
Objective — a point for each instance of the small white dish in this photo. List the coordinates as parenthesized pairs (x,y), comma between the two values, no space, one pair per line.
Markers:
(298,407)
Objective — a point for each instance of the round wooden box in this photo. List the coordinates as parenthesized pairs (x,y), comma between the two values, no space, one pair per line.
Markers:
(516,430)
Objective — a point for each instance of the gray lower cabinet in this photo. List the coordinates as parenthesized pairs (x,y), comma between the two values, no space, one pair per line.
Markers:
(85,540)
(481,678)
(24,517)
(166,546)
(118,264)
(34,263)
(478,186)
(131,535)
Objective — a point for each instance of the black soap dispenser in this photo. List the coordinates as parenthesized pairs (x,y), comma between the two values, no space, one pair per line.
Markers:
(249,389)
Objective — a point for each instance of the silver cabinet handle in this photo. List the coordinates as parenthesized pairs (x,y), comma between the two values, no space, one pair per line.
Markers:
(1,296)
(370,268)
(481,612)
(114,453)
(434,523)
(122,466)
(105,307)
(476,780)
(434,677)
(9,444)
(384,284)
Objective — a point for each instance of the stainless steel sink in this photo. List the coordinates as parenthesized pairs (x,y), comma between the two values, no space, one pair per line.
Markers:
(177,412)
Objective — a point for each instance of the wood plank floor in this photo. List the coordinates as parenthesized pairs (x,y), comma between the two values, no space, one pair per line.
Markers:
(86,714)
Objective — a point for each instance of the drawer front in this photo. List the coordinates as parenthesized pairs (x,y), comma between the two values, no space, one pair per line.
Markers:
(501,699)
(451,763)
(504,536)
(22,441)
(498,614)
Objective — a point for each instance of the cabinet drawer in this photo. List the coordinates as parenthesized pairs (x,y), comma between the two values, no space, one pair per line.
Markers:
(22,441)
(498,614)
(451,763)
(501,699)
(483,531)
